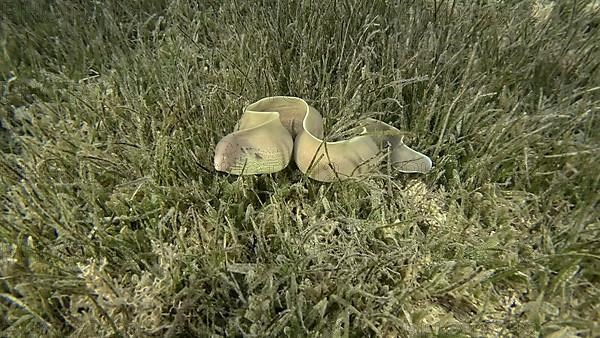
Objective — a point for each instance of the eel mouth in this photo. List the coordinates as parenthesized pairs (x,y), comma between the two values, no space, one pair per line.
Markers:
(220,163)
(223,160)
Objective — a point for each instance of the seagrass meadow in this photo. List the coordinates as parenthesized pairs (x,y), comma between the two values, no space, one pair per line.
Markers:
(114,222)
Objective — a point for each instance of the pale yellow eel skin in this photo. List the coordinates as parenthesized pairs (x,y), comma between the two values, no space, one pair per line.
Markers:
(274,129)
